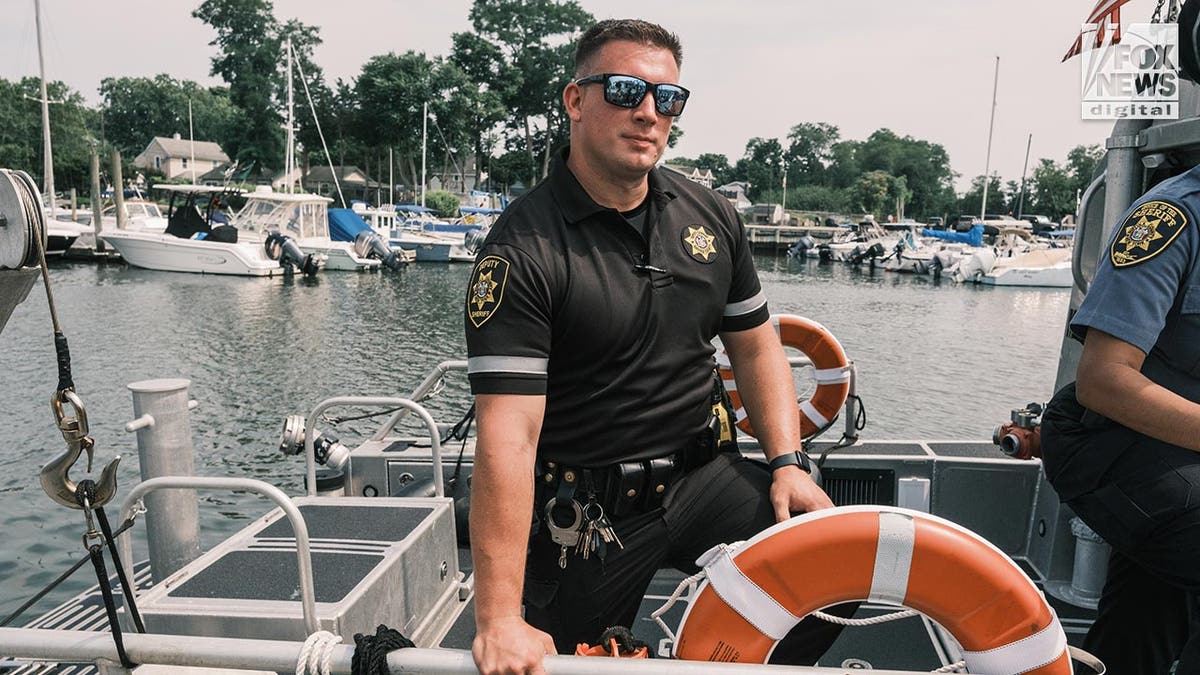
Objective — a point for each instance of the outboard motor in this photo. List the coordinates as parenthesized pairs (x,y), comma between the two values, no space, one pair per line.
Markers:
(368,244)
(473,239)
(802,246)
(824,253)
(285,249)
(1022,437)
(327,449)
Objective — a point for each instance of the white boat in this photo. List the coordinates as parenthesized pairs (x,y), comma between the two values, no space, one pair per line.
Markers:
(62,232)
(183,246)
(1046,268)
(433,239)
(303,217)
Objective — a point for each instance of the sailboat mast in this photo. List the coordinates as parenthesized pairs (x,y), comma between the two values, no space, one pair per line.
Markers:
(47,154)
(192,141)
(987,163)
(1024,168)
(424,140)
(290,157)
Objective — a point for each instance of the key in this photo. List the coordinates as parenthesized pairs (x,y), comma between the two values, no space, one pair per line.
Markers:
(605,527)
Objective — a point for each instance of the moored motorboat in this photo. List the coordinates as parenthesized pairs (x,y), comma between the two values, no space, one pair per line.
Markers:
(194,242)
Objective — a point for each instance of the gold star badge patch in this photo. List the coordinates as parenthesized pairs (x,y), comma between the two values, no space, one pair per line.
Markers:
(487,289)
(699,244)
(1148,230)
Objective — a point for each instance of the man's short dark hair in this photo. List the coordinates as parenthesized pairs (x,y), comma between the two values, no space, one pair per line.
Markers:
(629,30)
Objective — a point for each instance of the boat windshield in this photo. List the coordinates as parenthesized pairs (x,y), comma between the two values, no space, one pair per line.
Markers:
(299,219)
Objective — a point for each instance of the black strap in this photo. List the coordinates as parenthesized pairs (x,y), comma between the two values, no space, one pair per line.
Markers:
(126,587)
(96,553)
(64,362)
(370,651)
(61,578)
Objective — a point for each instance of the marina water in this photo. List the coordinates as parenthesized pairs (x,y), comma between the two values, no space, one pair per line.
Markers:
(936,360)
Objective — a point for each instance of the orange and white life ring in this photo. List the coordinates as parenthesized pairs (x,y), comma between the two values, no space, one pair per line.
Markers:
(827,356)
(756,591)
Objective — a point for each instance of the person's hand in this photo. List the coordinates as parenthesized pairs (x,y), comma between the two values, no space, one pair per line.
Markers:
(509,646)
(793,491)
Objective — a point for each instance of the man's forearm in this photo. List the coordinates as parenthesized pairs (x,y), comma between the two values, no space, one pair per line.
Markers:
(768,395)
(501,504)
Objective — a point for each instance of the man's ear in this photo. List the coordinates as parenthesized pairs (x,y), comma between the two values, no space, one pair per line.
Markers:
(572,97)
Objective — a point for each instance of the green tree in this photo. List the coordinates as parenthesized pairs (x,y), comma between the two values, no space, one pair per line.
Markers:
(73,131)
(1081,164)
(443,203)
(970,201)
(818,198)
(810,152)
(761,166)
(533,40)
(872,192)
(1053,189)
(135,109)
(844,167)
(925,167)
(250,58)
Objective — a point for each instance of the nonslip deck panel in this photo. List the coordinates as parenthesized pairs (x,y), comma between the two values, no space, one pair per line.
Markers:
(968,449)
(272,575)
(871,449)
(358,523)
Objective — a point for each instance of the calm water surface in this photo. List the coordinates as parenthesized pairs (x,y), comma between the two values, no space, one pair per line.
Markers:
(935,360)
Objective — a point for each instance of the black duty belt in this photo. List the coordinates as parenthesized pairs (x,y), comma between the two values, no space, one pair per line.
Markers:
(624,488)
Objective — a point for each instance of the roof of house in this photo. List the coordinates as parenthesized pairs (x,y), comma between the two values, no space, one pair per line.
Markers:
(181,147)
(321,174)
(689,170)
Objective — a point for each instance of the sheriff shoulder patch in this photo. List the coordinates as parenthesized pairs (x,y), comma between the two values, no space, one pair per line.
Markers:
(699,243)
(487,289)
(1148,230)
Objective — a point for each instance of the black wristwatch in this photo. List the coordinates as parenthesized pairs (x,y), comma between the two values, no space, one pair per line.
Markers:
(798,458)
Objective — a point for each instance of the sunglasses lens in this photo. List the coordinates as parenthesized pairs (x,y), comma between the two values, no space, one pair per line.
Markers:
(669,99)
(624,91)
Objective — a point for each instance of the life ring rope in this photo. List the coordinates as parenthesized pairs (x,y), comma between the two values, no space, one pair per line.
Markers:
(898,554)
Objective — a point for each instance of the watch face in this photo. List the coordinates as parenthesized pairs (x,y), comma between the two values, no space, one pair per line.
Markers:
(805,462)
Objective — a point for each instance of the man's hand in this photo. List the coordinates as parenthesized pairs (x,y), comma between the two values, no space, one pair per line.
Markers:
(509,646)
(793,491)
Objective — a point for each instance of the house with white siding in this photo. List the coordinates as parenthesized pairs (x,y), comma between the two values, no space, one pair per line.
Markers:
(174,157)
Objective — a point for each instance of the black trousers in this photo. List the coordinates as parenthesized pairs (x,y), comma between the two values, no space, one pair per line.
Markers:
(723,501)
(1147,507)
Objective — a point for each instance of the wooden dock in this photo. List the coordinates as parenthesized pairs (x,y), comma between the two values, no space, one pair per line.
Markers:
(781,237)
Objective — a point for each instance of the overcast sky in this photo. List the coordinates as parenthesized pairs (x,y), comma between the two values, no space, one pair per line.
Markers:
(922,67)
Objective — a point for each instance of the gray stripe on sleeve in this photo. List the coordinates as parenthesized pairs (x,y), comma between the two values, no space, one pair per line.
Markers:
(746,306)
(521,365)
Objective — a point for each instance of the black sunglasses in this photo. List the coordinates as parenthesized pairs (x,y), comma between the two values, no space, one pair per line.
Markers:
(627,91)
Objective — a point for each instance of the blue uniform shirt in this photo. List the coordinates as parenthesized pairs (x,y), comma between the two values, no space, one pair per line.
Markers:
(1147,288)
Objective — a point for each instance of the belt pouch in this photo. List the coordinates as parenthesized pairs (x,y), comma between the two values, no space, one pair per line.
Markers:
(658,475)
(625,487)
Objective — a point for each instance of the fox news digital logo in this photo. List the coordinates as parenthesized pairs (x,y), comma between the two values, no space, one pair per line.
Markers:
(1136,78)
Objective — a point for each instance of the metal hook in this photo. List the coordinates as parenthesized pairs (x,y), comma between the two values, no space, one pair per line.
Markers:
(74,428)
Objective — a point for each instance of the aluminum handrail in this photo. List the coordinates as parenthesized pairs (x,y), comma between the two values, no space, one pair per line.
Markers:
(406,405)
(1081,283)
(299,528)
(422,390)
(281,656)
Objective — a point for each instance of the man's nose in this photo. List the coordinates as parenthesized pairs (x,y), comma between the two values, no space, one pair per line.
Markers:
(645,111)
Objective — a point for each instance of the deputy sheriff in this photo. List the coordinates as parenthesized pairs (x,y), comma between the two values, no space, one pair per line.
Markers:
(589,320)
(1120,443)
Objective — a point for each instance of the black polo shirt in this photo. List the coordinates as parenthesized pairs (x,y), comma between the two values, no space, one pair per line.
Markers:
(570,300)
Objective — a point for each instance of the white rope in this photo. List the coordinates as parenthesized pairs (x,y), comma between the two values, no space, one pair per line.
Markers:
(957,667)
(317,653)
(875,620)
(690,584)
